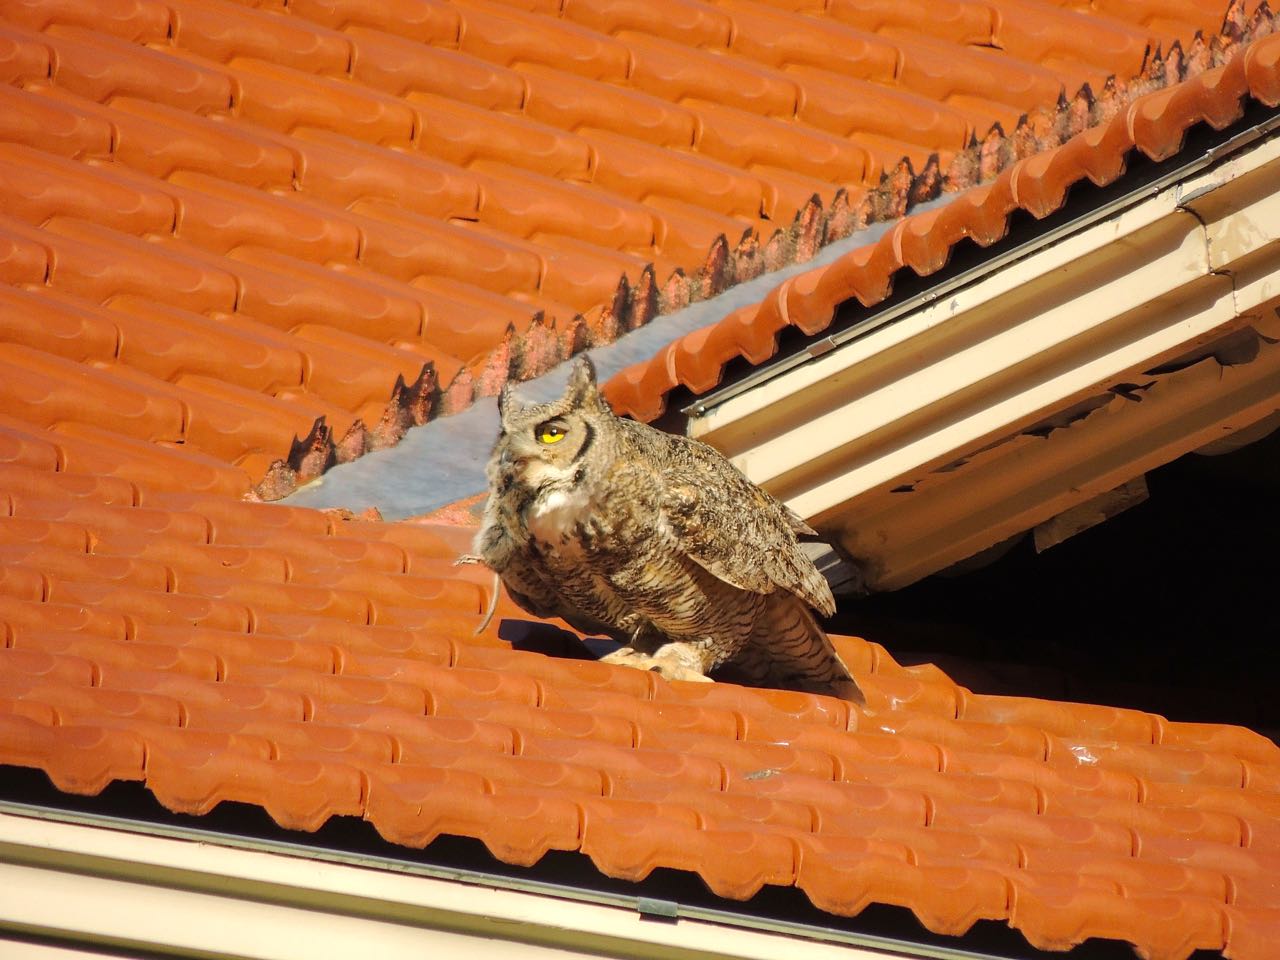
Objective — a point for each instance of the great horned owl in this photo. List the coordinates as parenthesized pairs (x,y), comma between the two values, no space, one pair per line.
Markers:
(655,540)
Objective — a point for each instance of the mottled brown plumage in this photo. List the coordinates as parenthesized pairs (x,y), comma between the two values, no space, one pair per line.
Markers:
(656,540)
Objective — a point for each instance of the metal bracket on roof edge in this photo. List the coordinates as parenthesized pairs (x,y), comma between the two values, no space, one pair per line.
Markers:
(653,909)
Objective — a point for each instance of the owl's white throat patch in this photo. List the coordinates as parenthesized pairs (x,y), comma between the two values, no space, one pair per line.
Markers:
(554,514)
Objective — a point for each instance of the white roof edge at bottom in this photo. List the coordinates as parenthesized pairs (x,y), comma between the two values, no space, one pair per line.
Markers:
(72,889)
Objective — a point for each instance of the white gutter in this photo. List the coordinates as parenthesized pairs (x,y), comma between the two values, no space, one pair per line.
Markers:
(72,889)
(854,439)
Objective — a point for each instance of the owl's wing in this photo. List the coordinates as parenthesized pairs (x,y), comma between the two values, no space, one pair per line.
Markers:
(738,532)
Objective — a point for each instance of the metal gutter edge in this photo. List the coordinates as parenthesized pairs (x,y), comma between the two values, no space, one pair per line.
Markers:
(82,880)
(824,345)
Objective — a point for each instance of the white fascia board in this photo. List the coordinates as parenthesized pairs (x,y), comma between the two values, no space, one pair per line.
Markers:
(83,886)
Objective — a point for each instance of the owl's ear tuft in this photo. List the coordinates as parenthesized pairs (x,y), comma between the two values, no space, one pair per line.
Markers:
(582,382)
(505,404)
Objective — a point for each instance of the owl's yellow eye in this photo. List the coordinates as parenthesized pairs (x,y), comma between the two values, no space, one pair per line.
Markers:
(550,433)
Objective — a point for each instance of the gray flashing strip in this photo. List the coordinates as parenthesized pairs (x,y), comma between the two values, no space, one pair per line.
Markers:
(645,906)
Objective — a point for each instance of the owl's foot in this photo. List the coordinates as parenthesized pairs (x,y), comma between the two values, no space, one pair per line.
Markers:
(468,558)
(671,661)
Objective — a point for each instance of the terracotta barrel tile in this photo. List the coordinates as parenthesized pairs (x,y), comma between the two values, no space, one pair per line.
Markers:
(1062,719)
(957,75)
(556,724)
(315,687)
(219,216)
(572,103)
(181,557)
(463,134)
(106,520)
(427,21)
(108,655)
(1251,934)
(316,741)
(949,788)
(22,583)
(675,73)
(926,846)
(98,263)
(97,451)
(1152,822)
(448,684)
(734,864)
(299,795)
(45,389)
(339,170)
(26,486)
(1254,875)
(1219,738)
(968,736)
(745,760)
(743,140)
(235,650)
(200,697)
(1066,40)
(24,58)
(622,763)
(101,68)
(381,651)
(852,749)
(542,773)
(837,799)
(432,540)
(1133,876)
(223,31)
(416,739)
(1055,783)
(412,805)
(520,827)
(40,713)
(530,205)
(399,67)
(58,563)
(251,520)
(783,40)
(556,672)
(52,127)
(1246,804)
(142,21)
(910,125)
(658,715)
(66,537)
(1260,67)
(35,186)
(1149,761)
(50,323)
(640,170)
(945,899)
(751,701)
(965,23)
(695,24)
(1065,833)
(161,140)
(1056,919)
(37,665)
(313,601)
(23,258)
(94,705)
(283,99)
(26,447)
(77,759)
(56,616)
(152,606)
(1159,121)
(506,36)
(714,805)
(894,694)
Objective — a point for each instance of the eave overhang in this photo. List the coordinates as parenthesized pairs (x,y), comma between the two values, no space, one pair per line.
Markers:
(1033,385)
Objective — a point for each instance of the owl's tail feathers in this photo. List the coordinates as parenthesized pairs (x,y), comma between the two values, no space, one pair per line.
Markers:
(789,648)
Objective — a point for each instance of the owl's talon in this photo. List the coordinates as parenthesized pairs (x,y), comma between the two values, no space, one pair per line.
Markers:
(468,558)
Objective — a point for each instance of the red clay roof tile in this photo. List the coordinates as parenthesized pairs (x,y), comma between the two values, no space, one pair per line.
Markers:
(408,184)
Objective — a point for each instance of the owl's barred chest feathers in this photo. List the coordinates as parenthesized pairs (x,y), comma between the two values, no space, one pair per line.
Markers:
(655,540)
